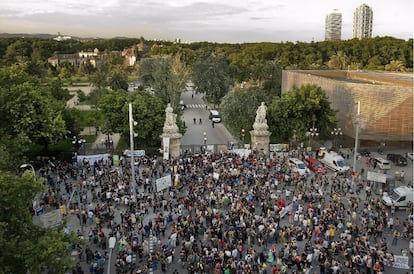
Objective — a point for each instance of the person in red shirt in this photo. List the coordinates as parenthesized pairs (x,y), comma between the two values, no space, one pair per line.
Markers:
(275,269)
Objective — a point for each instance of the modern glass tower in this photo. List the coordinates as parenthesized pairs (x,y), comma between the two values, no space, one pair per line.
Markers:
(333,25)
(363,16)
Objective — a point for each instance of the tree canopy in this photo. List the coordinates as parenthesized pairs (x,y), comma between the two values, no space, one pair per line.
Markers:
(27,247)
(212,75)
(293,111)
(165,76)
(148,112)
(238,108)
(31,113)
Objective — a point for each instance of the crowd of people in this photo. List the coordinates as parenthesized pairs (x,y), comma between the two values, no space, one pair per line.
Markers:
(227,213)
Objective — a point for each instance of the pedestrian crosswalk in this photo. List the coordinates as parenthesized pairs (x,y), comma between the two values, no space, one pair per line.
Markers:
(196,105)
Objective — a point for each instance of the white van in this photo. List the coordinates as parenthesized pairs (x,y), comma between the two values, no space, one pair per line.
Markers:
(215,116)
(402,196)
(298,166)
(332,160)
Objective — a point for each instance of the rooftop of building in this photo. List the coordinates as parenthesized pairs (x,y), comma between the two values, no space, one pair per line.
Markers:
(366,77)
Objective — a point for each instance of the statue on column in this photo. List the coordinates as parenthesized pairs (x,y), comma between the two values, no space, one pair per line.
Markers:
(260,123)
(170,120)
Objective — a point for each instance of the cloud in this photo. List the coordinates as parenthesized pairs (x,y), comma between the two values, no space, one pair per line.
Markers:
(195,20)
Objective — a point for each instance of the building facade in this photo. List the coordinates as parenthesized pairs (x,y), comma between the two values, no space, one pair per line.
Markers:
(333,26)
(386,100)
(363,17)
(95,58)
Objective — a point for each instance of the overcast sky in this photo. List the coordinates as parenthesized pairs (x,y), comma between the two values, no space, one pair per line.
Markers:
(233,21)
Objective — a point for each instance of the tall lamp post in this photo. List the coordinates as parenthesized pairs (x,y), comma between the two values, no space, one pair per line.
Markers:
(112,242)
(313,131)
(356,136)
(336,132)
(293,140)
(205,140)
(132,134)
(78,143)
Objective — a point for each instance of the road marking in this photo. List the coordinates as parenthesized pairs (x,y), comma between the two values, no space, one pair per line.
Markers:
(196,106)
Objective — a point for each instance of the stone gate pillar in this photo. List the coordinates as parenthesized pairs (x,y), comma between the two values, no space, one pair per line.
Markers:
(170,131)
(260,135)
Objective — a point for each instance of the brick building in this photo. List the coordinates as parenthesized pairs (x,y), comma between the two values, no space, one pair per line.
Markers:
(386,100)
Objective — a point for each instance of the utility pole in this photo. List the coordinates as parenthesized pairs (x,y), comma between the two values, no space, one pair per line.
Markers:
(356,136)
(131,140)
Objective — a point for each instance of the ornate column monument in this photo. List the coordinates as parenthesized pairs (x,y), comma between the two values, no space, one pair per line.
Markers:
(171,137)
(260,134)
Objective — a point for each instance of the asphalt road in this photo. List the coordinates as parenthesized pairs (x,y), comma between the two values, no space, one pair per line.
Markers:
(197,108)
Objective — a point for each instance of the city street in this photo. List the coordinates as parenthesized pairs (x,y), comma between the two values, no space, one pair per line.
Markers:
(194,136)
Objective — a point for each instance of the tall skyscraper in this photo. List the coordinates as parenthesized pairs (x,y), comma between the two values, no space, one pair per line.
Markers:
(333,25)
(363,22)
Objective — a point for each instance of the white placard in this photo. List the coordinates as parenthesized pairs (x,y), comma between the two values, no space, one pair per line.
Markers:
(401,262)
(216,175)
(377,177)
(166,147)
(163,183)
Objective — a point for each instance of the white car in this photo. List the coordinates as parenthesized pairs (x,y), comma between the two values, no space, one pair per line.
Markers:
(410,155)
(382,163)
(215,116)
(298,166)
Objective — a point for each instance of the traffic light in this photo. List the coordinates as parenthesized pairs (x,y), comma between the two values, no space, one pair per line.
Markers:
(243,132)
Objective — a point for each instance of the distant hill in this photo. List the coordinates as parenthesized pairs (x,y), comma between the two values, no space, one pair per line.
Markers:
(43,36)
(52,36)
(37,35)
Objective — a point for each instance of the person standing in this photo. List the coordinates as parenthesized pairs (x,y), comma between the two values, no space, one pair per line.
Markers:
(396,235)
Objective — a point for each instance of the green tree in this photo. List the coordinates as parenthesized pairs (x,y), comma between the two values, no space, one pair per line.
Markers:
(395,65)
(148,111)
(213,76)
(99,78)
(27,247)
(338,61)
(118,79)
(294,111)
(165,75)
(18,52)
(238,108)
(29,108)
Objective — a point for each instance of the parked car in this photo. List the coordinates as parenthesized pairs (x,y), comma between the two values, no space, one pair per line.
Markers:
(397,159)
(381,163)
(298,166)
(409,155)
(315,165)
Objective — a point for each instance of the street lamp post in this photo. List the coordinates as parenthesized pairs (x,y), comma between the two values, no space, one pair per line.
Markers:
(313,131)
(131,139)
(293,140)
(205,140)
(77,143)
(356,136)
(112,242)
(336,132)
